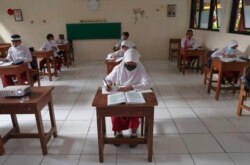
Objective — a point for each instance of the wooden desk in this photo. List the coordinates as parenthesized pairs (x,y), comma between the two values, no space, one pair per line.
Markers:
(111,64)
(38,98)
(17,70)
(199,53)
(47,55)
(125,110)
(66,54)
(4,49)
(220,67)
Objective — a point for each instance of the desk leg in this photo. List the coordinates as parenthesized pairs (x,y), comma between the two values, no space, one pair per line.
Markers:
(218,85)
(100,137)
(41,133)
(150,135)
(15,123)
(2,151)
(49,69)
(210,80)
(52,118)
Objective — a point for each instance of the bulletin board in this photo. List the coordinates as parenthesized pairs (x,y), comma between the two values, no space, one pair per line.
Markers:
(86,31)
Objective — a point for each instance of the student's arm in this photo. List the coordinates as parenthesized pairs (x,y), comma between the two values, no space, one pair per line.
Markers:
(144,84)
(218,53)
(28,56)
(9,55)
(183,42)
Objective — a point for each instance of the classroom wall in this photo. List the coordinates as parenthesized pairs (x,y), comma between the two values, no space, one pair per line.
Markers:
(150,32)
(213,40)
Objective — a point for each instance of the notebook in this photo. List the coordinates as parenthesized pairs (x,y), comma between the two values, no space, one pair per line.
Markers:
(130,97)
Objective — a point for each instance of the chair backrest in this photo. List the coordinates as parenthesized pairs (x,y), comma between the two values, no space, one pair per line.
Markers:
(174,43)
(246,78)
(33,63)
(209,58)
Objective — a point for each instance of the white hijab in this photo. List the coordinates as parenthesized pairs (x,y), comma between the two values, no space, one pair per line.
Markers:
(138,77)
(231,43)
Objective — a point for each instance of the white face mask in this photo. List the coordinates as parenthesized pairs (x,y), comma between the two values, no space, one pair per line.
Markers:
(122,37)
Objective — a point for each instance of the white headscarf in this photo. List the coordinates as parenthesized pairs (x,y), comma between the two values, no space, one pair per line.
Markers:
(231,43)
(138,77)
(132,55)
(126,43)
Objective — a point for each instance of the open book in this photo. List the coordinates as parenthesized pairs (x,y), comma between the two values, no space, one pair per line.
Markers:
(130,97)
(236,59)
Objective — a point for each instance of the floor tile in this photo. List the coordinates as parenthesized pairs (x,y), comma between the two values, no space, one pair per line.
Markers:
(234,142)
(24,159)
(201,143)
(169,144)
(214,159)
(190,126)
(61,159)
(173,159)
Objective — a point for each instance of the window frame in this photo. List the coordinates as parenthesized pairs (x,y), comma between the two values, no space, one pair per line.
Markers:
(213,3)
(235,6)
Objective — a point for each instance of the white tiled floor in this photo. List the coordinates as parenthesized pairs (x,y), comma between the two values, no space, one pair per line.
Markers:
(191,128)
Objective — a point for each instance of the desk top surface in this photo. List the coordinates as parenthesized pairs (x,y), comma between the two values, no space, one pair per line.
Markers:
(35,95)
(100,100)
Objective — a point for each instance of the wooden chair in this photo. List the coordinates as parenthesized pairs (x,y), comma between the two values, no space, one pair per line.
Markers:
(34,72)
(174,45)
(4,47)
(65,49)
(182,63)
(244,94)
(207,70)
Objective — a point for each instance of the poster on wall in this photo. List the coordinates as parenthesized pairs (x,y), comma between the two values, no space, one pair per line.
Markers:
(18,15)
(171,10)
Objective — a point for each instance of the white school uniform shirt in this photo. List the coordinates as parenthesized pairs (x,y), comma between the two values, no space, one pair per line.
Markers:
(118,43)
(48,46)
(138,77)
(60,41)
(226,52)
(191,43)
(120,53)
(19,53)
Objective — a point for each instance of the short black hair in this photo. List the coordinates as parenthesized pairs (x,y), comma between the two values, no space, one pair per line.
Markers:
(49,36)
(189,30)
(125,34)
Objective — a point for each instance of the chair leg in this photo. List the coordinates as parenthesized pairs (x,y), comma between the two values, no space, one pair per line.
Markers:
(240,102)
(142,126)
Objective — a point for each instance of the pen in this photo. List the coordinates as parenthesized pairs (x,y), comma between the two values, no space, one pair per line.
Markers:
(105,82)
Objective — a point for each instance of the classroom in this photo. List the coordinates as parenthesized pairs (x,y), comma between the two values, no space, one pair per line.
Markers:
(187,59)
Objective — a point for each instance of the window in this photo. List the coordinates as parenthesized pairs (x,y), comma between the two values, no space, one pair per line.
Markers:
(205,14)
(240,17)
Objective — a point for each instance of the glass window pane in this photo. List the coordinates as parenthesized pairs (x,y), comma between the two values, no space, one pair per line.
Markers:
(205,14)
(197,13)
(247,13)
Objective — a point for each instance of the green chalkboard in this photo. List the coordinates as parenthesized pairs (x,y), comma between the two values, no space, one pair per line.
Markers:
(86,31)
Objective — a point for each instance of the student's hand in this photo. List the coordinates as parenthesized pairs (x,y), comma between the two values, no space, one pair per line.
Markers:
(108,87)
(125,88)
(232,56)
(54,48)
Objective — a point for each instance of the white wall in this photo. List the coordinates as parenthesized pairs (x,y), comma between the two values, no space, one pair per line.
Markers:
(218,39)
(151,33)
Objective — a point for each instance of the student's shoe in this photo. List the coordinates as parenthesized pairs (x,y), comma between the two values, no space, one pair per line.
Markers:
(118,135)
(133,145)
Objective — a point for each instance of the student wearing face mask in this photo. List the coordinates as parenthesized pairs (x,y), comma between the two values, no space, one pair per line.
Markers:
(128,75)
(16,52)
(229,51)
